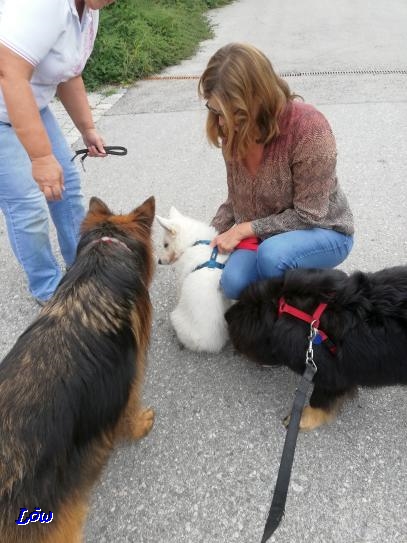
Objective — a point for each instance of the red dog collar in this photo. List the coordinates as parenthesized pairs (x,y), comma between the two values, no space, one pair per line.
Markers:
(284,307)
(108,239)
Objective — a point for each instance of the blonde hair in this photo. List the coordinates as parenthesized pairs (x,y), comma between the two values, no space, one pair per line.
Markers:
(250,96)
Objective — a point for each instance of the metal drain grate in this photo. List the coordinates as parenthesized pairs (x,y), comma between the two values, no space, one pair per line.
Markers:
(343,72)
(295,74)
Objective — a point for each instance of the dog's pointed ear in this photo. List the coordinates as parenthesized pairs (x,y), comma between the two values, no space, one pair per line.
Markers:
(174,213)
(167,225)
(98,207)
(145,212)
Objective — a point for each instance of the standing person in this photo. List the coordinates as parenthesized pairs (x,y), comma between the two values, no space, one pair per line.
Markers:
(44,46)
(280,157)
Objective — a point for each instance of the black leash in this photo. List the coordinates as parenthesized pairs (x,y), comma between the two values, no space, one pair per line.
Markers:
(110,150)
(287,458)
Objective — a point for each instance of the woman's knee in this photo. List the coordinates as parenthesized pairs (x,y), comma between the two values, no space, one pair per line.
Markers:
(28,229)
(28,214)
(272,261)
(232,283)
(316,248)
(240,271)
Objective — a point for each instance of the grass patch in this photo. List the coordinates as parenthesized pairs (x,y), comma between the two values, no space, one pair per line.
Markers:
(138,38)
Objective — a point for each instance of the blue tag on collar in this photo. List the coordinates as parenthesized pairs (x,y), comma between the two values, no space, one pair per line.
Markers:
(317,339)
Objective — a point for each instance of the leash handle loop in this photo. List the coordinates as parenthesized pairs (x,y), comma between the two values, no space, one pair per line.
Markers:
(117,150)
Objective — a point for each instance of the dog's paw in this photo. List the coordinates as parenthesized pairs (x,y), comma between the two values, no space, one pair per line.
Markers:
(311,418)
(143,423)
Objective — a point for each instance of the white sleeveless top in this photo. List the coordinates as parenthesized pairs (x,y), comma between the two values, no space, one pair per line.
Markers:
(49,35)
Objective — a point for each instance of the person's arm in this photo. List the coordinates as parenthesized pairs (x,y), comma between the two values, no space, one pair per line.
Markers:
(224,217)
(230,234)
(314,180)
(15,76)
(72,94)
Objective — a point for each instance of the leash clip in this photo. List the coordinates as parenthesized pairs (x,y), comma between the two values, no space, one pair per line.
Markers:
(309,356)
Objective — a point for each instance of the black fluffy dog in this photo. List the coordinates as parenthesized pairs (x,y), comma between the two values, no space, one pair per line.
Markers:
(364,324)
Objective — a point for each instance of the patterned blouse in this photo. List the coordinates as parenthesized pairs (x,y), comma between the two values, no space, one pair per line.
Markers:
(295,187)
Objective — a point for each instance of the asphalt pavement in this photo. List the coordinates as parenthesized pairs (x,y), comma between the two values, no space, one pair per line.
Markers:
(206,472)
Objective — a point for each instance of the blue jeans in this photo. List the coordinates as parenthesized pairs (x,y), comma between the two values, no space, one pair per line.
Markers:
(26,209)
(315,248)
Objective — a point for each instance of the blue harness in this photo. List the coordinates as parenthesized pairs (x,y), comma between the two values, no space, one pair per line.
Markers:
(211,263)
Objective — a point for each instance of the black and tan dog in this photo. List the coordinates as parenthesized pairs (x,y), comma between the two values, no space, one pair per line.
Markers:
(69,388)
(362,338)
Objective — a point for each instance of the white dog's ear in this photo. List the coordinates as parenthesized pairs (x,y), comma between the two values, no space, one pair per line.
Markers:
(167,225)
(174,213)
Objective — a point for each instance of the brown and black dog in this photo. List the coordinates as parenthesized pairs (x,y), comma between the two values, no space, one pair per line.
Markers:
(70,386)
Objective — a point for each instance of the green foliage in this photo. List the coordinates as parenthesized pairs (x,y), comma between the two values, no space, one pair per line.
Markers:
(216,3)
(138,38)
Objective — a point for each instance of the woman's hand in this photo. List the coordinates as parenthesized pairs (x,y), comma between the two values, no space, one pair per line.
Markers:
(48,174)
(94,142)
(227,241)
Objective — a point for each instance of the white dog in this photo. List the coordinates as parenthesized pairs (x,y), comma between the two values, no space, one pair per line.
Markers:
(198,319)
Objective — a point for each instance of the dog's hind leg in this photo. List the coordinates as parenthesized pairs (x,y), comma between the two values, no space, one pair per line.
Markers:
(135,422)
(323,408)
(143,423)
(67,526)
(313,417)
